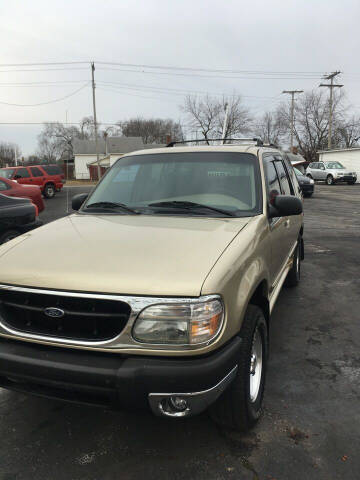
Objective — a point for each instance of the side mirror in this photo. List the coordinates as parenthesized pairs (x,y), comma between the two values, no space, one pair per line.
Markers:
(78,200)
(285,206)
(16,177)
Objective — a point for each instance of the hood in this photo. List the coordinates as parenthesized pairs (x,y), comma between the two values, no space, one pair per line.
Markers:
(302,179)
(139,255)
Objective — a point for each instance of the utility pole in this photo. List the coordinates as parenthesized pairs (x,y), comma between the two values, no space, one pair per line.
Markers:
(225,123)
(292,93)
(95,121)
(331,86)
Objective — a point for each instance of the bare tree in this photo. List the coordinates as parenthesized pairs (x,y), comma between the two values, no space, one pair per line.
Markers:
(203,114)
(239,120)
(153,130)
(207,115)
(87,128)
(7,153)
(347,132)
(312,121)
(56,141)
(271,127)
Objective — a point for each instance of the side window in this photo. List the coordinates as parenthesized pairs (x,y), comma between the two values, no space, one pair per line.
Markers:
(3,186)
(284,181)
(321,166)
(36,172)
(272,180)
(22,173)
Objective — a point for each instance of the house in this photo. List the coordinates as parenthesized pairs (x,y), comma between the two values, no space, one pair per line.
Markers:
(349,157)
(109,150)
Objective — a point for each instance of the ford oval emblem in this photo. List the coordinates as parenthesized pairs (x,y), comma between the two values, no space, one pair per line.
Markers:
(54,312)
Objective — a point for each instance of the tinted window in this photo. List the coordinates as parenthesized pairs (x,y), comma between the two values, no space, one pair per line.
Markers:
(225,180)
(3,186)
(36,172)
(22,172)
(52,169)
(7,172)
(272,181)
(284,181)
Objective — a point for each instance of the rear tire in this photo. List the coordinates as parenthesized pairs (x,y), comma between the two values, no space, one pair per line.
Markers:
(240,406)
(330,180)
(293,277)
(49,190)
(9,235)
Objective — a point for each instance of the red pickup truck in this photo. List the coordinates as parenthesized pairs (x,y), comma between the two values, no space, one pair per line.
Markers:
(49,178)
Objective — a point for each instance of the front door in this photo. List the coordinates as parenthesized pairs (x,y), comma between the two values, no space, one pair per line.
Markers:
(283,230)
(22,175)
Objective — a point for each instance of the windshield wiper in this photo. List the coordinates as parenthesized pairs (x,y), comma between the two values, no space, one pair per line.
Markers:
(190,206)
(113,205)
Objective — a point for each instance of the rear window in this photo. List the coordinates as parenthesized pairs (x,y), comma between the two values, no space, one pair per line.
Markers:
(52,169)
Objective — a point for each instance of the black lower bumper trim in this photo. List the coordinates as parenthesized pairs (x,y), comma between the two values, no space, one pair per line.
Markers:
(108,379)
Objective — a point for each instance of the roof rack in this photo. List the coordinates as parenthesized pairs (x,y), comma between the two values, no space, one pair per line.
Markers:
(253,141)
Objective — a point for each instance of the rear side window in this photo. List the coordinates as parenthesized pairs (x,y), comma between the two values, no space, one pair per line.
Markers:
(36,172)
(22,173)
(52,169)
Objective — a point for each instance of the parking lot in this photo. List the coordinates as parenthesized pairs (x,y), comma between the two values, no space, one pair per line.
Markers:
(312,405)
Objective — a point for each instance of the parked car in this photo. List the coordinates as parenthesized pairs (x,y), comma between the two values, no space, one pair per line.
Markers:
(307,185)
(17,215)
(13,189)
(172,313)
(330,172)
(49,183)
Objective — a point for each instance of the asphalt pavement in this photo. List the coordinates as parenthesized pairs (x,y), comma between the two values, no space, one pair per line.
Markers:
(310,428)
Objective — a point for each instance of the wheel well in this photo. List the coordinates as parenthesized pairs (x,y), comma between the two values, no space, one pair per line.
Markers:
(260,298)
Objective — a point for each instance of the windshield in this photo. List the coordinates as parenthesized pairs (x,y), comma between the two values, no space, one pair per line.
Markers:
(334,165)
(228,181)
(6,172)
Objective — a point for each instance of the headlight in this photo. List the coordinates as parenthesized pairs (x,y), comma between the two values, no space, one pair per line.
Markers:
(311,181)
(179,324)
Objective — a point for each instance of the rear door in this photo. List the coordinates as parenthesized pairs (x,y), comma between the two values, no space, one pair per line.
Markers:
(37,176)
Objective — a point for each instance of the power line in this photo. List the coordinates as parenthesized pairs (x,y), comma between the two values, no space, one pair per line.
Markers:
(45,103)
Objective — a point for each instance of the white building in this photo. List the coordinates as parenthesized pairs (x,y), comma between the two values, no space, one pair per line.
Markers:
(349,157)
(109,151)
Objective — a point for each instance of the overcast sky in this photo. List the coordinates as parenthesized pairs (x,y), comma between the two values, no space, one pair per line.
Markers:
(266,36)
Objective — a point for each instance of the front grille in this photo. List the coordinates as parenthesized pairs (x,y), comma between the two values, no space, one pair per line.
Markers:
(86,319)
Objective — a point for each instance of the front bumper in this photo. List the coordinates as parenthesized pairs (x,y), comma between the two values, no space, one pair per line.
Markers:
(307,188)
(114,380)
(346,178)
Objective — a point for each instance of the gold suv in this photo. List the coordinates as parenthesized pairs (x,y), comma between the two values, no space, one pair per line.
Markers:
(166,277)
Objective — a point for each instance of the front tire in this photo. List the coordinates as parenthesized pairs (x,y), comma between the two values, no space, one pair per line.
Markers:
(330,180)
(240,406)
(49,190)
